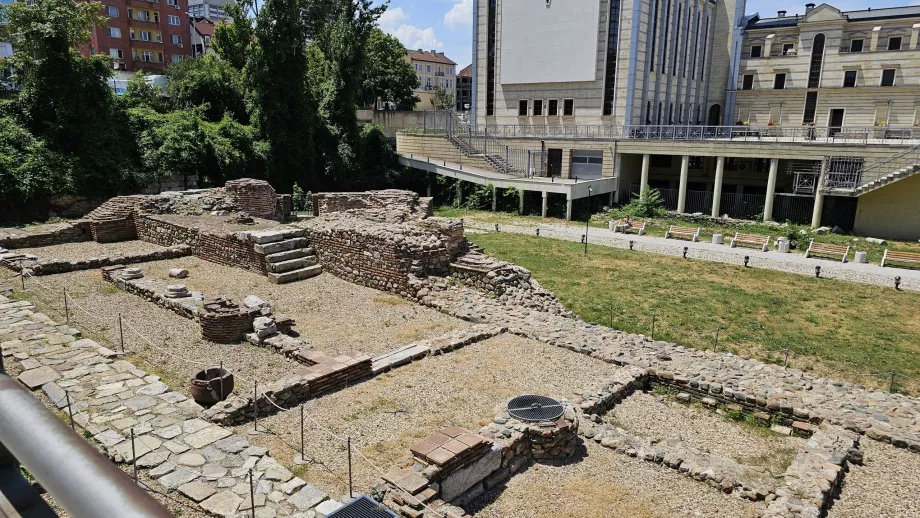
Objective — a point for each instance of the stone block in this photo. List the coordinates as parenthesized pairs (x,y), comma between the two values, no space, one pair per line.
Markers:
(35,378)
(456,483)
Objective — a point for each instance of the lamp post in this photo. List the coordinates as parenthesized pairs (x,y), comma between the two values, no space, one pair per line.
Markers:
(588,219)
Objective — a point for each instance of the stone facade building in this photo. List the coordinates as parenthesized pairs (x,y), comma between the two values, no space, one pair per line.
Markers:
(434,70)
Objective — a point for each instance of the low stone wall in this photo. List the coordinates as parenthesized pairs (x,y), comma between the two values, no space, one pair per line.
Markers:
(624,382)
(53,234)
(152,291)
(113,230)
(164,233)
(230,250)
(407,203)
(52,266)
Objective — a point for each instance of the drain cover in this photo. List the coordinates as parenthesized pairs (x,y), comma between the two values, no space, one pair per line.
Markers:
(532,408)
(363,507)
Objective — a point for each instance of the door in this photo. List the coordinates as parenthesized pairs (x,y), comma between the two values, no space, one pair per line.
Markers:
(554,162)
(835,125)
(587,164)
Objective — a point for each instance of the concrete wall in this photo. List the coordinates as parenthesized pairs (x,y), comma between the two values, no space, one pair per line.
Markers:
(890,212)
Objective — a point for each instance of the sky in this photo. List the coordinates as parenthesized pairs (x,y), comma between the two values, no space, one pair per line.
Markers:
(447,25)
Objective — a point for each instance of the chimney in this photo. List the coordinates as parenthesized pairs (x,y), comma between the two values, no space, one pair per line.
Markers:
(781,14)
(809,8)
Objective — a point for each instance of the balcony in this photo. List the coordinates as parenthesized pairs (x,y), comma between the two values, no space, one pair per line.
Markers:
(149,65)
(143,24)
(145,4)
(149,44)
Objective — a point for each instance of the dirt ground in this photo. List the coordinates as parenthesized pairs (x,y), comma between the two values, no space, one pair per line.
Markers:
(88,249)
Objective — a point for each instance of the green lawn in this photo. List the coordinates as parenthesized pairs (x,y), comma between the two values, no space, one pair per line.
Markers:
(658,227)
(828,325)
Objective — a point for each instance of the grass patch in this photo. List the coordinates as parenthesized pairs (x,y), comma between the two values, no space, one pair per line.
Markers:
(828,325)
(390,300)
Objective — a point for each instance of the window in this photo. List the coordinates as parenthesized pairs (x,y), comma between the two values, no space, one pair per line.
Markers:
(114,32)
(568,107)
(662,161)
(176,58)
(147,56)
(174,3)
(747,82)
(116,53)
(428,68)
(788,47)
(145,35)
(538,108)
(856,46)
(143,16)
(176,39)
(849,79)
(173,19)
(552,108)
(811,107)
(894,43)
(207,39)
(888,77)
(779,82)
(522,108)
(756,51)
(112,11)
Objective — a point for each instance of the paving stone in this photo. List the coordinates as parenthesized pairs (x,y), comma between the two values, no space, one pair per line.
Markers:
(163,469)
(258,499)
(109,438)
(326,508)
(204,437)
(142,446)
(226,482)
(153,459)
(124,423)
(55,394)
(194,425)
(176,447)
(278,473)
(35,378)
(254,451)
(213,471)
(232,444)
(197,491)
(191,459)
(177,477)
(140,402)
(30,364)
(292,485)
(153,389)
(173,397)
(307,498)
(225,503)
(169,432)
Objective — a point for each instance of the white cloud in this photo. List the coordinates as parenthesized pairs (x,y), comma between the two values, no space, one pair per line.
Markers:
(391,19)
(414,38)
(460,15)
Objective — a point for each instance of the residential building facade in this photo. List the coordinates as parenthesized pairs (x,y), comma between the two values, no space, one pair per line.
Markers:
(465,89)
(434,70)
(143,34)
(202,33)
(213,9)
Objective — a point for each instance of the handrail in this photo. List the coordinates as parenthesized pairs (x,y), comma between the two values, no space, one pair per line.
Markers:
(888,166)
(81,480)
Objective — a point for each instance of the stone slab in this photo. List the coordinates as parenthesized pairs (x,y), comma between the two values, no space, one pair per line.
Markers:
(35,378)
(464,478)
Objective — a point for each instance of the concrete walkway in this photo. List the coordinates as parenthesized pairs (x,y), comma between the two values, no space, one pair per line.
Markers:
(791,263)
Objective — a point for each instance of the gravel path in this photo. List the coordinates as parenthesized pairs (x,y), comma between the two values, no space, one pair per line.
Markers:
(791,263)
(88,249)
(652,416)
(605,484)
(388,414)
(334,315)
(886,486)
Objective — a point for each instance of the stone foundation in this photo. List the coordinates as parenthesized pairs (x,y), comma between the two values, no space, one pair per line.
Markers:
(257,197)
(223,321)
(53,234)
(400,204)
(54,266)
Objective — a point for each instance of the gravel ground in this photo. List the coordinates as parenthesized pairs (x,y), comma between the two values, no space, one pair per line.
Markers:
(389,414)
(217,224)
(652,416)
(101,303)
(334,315)
(88,249)
(792,263)
(605,484)
(31,229)
(886,486)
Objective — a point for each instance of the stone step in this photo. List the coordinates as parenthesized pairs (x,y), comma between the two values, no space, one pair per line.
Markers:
(295,275)
(290,254)
(293,264)
(282,246)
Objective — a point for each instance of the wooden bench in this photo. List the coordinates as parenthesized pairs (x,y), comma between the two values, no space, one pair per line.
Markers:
(762,242)
(638,226)
(685,232)
(900,257)
(828,249)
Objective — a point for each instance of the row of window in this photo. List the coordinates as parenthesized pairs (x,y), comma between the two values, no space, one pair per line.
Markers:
(145,55)
(856,45)
(757,50)
(115,32)
(427,68)
(549,109)
(849,79)
(143,16)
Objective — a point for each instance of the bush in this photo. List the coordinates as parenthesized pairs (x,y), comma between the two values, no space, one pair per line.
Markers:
(300,199)
(649,204)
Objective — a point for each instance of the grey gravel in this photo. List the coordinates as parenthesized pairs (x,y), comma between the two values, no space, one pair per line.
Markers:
(87,249)
(885,486)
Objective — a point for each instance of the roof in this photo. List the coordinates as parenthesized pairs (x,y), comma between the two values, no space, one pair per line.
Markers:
(466,72)
(770,23)
(431,56)
(204,26)
(885,13)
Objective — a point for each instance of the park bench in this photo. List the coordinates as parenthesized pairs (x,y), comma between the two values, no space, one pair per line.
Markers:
(638,226)
(756,240)
(900,257)
(692,234)
(828,249)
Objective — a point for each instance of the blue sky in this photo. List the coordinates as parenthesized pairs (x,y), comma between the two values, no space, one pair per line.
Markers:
(446,25)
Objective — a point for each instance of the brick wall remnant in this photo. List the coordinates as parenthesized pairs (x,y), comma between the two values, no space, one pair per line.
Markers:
(393,203)
(257,197)
(223,321)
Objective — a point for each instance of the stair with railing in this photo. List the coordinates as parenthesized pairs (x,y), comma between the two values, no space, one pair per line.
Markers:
(503,159)
(897,167)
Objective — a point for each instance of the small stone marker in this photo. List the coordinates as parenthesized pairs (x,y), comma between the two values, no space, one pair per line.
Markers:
(176,291)
(131,273)
(861,257)
(178,273)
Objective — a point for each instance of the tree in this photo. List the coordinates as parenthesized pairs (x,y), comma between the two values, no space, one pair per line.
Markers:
(233,39)
(27,167)
(442,99)
(173,142)
(387,73)
(141,93)
(209,82)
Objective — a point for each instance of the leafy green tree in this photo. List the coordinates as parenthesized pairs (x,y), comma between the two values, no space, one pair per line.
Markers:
(210,82)
(234,151)
(387,73)
(233,39)
(169,143)
(443,99)
(141,93)
(27,167)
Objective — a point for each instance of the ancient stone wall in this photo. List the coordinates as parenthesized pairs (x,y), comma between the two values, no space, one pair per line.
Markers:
(230,250)
(151,292)
(223,321)
(53,266)
(54,234)
(257,197)
(407,203)
(163,233)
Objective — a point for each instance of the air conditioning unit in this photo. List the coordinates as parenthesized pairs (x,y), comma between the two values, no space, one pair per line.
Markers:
(180,45)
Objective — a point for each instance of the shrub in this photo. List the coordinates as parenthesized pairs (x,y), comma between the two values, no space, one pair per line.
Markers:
(649,204)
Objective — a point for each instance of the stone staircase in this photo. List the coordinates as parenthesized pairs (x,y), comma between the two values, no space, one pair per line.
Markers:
(892,169)
(288,255)
(878,183)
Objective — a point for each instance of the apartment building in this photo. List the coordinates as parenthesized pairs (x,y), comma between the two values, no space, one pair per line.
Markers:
(212,9)
(202,34)
(831,68)
(465,89)
(434,70)
(143,34)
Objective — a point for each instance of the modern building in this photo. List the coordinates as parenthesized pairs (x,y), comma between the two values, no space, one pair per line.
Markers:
(434,70)
(213,9)
(202,31)
(809,117)
(465,89)
(143,34)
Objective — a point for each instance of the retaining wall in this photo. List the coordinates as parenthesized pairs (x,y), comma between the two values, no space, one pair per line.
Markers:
(57,234)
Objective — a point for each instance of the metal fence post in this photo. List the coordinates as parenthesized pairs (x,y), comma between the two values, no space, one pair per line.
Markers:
(70,410)
(302,458)
(507,154)
(66,308)
(715,346)
(22,276)
(425,122)
(891,381)
(133,456)
(121,334)
(528,163)
(255,404)
(350,486)
(252,494)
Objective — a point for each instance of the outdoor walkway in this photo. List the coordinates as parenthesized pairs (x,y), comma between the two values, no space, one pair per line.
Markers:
(791,263)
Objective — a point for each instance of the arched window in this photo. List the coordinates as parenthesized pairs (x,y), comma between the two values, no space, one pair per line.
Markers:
(648,113)
(817,57)
(715,115)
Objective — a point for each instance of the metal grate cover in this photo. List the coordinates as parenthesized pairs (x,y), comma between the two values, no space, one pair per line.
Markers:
(363,507)
(533,408)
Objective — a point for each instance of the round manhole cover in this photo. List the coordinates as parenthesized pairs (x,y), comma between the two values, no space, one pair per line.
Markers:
(532,408)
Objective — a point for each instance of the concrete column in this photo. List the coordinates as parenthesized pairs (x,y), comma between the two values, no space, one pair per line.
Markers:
(521,203)
(566,164)
(771,190)
(682,189)
(610,199)
(819,199)
(545,204)
(568,207)
(643,181)
(494,198)
(717,187)
(914,36)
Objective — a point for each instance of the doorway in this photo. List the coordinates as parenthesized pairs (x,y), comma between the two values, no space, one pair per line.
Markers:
(835,124)
(554,162)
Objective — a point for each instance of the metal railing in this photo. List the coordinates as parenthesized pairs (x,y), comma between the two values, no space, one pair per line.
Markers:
(82,481)
(904,161)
